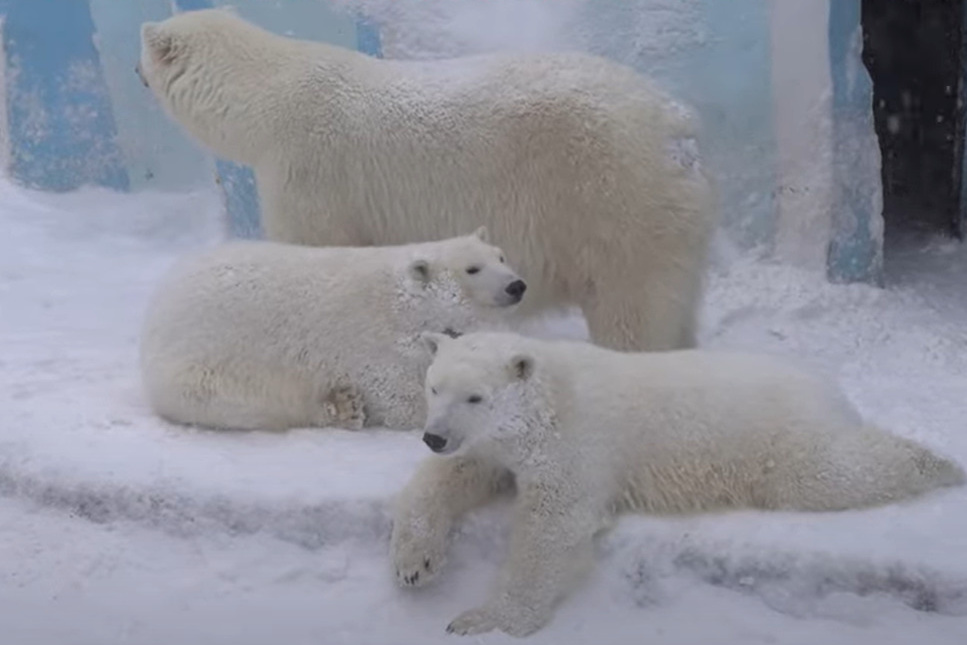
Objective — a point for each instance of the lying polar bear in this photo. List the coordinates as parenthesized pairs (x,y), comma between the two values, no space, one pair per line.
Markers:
(588,432)
(263,335)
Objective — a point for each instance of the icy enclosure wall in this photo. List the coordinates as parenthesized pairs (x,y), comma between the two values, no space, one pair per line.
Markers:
(781,92)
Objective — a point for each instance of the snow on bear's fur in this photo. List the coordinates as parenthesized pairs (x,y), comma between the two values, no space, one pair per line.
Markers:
(587,433)
(588,173)
(265,335)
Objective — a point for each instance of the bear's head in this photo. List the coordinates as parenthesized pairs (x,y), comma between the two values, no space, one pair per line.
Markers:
(482,389)
(478,269)
(203,67)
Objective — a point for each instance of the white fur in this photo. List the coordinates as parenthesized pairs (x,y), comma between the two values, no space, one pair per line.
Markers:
(585,171)
(587,433)
(268,335)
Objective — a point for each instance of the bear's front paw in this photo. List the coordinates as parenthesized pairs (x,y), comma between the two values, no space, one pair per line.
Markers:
(419,553)
(488,618)
(347,407)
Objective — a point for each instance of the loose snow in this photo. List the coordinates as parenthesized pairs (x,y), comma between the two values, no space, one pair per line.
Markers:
(120,528)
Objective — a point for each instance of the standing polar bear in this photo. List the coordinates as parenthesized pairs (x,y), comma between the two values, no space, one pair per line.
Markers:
(261,335)
(587,432)
(586,171)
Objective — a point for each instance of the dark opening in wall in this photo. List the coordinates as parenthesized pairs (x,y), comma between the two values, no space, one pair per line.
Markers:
(913,50)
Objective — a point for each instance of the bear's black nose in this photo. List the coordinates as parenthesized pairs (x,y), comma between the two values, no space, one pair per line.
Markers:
(516,289)
(435,442)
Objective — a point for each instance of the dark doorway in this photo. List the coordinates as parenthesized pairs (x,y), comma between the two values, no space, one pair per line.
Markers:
(913,50)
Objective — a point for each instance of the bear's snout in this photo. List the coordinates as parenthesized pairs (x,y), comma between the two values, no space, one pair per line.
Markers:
(516,289)
(435,442)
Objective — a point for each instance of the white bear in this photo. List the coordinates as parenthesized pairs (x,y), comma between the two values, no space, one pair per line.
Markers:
(253,335)
(587,173)
(587,433)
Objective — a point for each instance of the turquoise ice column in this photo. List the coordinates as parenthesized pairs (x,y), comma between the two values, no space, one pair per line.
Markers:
(309,19)
(856,244)
(367,37)
(61,132)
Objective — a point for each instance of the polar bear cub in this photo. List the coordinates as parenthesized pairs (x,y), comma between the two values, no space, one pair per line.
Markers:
(588,432)
(264,335)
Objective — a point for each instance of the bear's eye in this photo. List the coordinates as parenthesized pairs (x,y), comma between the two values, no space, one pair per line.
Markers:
(501,259)
(472,270)
(474,398)
(433,390)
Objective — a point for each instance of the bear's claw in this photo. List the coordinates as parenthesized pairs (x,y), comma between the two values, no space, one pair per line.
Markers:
(410,578)
(418,562)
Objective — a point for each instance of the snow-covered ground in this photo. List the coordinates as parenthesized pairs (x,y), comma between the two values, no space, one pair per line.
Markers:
(118,528)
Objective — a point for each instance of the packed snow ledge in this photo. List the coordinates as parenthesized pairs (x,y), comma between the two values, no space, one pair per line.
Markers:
(77,439)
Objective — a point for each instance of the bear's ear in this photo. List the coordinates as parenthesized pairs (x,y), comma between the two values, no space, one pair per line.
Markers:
(419,270)
(160,44)
(522,366)
(482,234)
(432,341)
